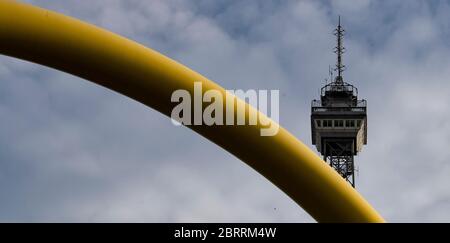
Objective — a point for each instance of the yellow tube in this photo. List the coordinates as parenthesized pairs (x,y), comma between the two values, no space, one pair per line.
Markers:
(75,47)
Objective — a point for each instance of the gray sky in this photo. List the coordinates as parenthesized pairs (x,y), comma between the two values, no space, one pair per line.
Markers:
(72,151)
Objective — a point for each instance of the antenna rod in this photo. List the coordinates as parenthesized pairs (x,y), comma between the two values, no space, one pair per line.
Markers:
(330,73)
(339,50)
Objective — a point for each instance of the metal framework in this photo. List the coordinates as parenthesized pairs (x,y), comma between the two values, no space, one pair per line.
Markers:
(339,155)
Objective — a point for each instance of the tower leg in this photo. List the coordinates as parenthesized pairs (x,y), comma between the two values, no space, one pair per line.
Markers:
(339,155)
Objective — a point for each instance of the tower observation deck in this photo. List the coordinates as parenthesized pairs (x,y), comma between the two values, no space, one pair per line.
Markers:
(339,120)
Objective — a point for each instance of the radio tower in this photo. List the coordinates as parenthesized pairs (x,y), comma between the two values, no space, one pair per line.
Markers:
(339,119)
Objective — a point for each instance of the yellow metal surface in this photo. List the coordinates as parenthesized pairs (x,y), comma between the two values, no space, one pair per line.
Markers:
(75,47)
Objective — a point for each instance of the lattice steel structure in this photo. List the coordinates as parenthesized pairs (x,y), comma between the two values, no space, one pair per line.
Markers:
(339,119)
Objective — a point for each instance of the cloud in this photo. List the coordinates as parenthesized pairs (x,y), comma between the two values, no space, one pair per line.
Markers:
(73,151)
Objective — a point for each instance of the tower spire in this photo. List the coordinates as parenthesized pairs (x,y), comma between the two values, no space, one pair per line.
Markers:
(339,50)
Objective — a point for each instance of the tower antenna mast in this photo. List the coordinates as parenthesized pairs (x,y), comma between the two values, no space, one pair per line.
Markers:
(339,50)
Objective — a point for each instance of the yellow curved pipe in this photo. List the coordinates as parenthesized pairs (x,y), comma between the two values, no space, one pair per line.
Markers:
(75,47)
